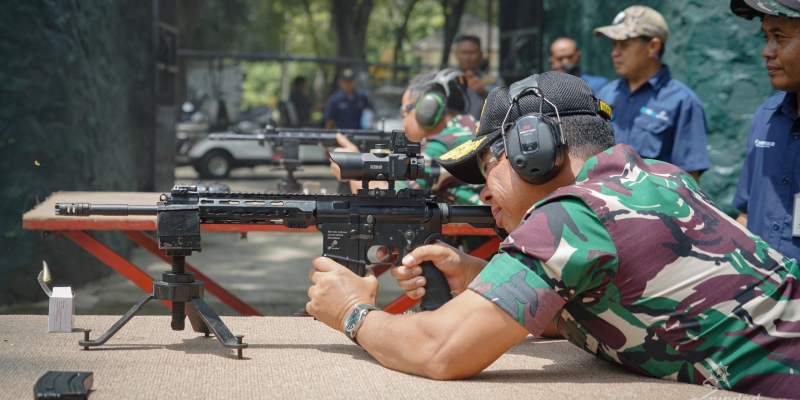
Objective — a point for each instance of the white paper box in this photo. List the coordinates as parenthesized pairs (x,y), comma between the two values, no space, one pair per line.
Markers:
(62,310)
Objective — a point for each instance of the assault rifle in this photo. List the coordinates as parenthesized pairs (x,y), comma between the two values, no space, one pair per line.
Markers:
(351,224)
(290,139)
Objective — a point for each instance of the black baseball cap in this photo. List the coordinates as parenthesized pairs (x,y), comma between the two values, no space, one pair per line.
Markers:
(570,94)
(750,9)
(347,74)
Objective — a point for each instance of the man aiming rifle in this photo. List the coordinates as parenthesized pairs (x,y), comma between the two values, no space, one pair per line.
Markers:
(399,220)
(628,257)
(434,114)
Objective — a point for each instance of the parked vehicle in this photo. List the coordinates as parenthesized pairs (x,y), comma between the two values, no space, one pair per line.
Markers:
(214,159)
(194,126)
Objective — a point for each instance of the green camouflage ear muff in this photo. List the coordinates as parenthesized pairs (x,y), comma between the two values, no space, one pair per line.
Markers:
(430,107)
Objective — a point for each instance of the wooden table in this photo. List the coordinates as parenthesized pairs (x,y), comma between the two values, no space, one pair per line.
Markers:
(43,218)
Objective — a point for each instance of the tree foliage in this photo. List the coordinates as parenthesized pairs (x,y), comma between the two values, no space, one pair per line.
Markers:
(453,10)
(375,30)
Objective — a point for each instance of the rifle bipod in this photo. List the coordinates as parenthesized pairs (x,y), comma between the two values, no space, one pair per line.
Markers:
(186,294)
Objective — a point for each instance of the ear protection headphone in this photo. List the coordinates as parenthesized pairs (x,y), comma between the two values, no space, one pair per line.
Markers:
(430,107)
(535,145)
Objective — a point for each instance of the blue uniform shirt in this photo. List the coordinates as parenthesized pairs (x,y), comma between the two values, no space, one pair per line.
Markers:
(771,173)
(346,113)
(595,82)
(663,119)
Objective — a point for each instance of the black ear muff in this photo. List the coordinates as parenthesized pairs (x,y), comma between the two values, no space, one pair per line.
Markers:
(534,149)
(429,110)
(535,144)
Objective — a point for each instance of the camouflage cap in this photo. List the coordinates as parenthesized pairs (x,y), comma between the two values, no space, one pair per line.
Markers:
(755,8)
(636,21)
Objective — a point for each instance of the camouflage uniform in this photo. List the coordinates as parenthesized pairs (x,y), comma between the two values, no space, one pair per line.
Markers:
(458,130)
(635,264)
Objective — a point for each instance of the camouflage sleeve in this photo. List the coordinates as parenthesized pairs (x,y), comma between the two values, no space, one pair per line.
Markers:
(560,251)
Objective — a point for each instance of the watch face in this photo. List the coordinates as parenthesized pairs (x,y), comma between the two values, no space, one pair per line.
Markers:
(352,319)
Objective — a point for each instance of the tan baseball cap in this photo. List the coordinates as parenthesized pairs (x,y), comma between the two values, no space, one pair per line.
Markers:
(636,21)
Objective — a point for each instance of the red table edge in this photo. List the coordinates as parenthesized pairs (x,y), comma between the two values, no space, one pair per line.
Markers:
(212,287)
(114,260)
(85,224)
(145,282)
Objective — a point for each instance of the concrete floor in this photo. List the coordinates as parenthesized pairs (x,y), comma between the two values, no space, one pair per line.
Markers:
(267,270)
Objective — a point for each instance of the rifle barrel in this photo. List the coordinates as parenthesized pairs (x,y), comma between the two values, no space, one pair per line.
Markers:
(87,209)
(235,136)
(306,134)
(477,216)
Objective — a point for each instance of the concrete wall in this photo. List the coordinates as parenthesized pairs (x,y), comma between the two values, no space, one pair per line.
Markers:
(75,114)
(714,52)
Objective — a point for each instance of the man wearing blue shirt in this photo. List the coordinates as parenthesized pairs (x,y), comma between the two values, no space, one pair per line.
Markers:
(652,112)
(345,107)
(565,57)
(770,180)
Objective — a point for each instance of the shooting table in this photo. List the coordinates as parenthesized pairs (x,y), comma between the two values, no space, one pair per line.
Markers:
(43,218)
(296,358)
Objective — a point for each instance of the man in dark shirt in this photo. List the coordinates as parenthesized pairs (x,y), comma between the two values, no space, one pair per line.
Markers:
(345,107)
(565,57)
(769,184)
(301,101)
(479,84)
(655,114)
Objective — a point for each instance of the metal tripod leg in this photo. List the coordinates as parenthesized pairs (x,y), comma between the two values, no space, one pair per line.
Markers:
(86,343)
(213,322)
(198,325)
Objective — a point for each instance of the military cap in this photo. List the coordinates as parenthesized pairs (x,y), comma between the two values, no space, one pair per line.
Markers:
(636,21)
(755,8)
(570,94)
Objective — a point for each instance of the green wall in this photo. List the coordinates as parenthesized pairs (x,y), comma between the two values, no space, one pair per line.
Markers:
(75,114)
(715,53)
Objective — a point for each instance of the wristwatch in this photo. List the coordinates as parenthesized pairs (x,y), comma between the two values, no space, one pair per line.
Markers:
(355,319)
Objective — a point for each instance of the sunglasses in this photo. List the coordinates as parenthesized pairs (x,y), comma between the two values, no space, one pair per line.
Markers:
(486,166)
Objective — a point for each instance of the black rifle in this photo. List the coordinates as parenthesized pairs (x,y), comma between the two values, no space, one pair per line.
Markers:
(290,140)
(351,225)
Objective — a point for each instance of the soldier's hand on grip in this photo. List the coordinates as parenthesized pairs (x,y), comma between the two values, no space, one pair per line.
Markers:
(458,267)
